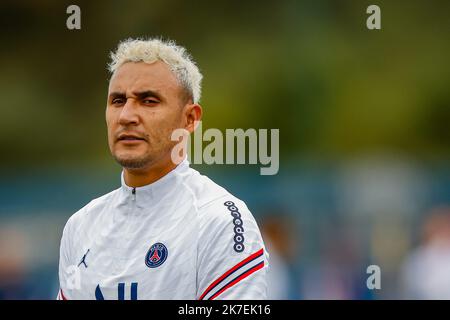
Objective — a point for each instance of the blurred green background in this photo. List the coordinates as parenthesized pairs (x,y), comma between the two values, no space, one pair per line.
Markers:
(364,132)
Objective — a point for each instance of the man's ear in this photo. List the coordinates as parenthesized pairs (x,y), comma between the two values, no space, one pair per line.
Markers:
(193,116)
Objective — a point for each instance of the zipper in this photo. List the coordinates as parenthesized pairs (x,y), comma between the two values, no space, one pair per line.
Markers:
(133,192)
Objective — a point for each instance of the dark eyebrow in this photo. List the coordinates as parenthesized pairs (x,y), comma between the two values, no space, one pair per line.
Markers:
(138,94)
(116,94)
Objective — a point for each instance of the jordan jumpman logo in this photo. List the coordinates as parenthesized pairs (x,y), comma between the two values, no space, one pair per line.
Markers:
(83,260)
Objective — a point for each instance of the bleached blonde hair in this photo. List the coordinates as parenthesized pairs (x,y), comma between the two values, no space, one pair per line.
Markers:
(151,50)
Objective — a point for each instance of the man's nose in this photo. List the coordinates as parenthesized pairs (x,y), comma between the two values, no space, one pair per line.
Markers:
(129,113)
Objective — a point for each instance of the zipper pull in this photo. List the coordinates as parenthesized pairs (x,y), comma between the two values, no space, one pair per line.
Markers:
(133,192)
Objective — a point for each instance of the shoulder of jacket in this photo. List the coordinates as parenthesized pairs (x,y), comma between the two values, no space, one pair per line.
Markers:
(210,197)
(223,210)
(90,208)
(205,191)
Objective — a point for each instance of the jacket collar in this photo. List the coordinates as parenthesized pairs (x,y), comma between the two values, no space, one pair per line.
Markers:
(148,195)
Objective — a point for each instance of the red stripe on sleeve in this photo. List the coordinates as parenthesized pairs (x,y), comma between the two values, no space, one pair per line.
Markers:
(62,295)
(212,285)
(243,276)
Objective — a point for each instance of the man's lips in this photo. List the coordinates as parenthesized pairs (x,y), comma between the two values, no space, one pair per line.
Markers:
(130,137)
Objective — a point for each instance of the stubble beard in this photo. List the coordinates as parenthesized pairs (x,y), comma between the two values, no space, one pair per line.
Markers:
(138,162)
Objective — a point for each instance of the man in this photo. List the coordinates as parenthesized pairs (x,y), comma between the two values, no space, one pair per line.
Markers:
(167,232)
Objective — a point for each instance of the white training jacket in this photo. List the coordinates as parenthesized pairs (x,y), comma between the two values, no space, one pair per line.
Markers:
(181,237)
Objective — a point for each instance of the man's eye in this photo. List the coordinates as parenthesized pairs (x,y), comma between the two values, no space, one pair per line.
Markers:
(148,101)
(117,101)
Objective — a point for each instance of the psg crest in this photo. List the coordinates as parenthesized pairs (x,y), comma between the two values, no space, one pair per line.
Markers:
(156,255)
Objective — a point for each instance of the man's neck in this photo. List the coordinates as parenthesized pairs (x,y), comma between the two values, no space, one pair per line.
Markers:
(141,177)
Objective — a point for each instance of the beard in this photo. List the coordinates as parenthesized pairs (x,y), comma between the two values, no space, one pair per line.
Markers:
(138,162)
